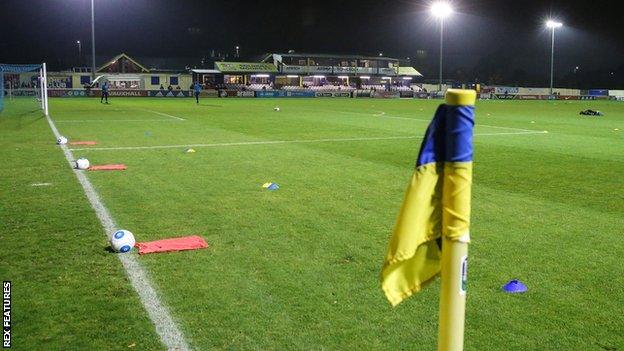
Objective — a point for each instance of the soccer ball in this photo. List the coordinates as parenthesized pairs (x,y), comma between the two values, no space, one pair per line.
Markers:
(61,140)
(276,109)
(122,241)
(82,163)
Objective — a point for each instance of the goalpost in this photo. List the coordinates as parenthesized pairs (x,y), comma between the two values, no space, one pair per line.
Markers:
(23,87)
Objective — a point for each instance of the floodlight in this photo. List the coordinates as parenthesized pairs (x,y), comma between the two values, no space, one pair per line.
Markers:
(318,76)
(441,9)
(386,78)
(553,24)
(343,77)
(292,76)
(407,78)
(364,77)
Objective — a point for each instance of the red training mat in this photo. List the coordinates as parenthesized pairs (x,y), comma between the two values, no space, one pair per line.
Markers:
(192,242)
(83,143)
(119,167)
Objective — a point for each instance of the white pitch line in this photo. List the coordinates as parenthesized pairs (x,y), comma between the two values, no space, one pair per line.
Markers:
(476,124)
(383,115)
(514,133)
(167,329)
(242,143)
(272,142)
(165,115)
(111,120)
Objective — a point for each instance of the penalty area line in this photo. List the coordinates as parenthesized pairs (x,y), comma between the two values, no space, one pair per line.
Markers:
(166,327)
(274,142)
(165,115)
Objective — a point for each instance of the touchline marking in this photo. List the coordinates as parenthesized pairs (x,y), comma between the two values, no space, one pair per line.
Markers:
(167,329)
(164,114)
(383,115)
(111,120)
(476,124)
(272,142)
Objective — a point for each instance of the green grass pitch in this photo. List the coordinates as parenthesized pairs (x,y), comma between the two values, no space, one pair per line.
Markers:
(298,268)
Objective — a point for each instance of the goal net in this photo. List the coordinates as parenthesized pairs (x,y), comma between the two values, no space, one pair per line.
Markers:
(22,88)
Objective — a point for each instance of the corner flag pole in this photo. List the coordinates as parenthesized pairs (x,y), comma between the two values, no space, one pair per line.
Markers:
(452,295)
(454,259)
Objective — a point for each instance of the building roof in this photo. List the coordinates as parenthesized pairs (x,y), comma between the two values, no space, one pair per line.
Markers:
(119,57)
(246,67)
(408,71)
(340,56)
(205,71)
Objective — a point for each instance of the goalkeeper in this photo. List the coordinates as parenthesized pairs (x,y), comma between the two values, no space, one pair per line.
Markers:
(197,89)
(104,92)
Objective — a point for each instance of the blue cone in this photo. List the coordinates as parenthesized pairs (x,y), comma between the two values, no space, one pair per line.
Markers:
(515,286)
(273,186)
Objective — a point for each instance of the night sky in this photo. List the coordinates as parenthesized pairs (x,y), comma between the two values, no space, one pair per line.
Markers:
(495,41)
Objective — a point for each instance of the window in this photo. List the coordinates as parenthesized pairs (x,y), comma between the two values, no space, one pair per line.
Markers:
(173,80)
(85,80)
(155,80)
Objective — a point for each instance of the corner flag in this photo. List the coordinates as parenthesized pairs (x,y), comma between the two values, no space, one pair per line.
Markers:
(436,207)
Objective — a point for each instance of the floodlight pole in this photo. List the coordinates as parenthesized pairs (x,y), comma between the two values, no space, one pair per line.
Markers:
(44,97)
(92,41)
(441,46)
(552,59)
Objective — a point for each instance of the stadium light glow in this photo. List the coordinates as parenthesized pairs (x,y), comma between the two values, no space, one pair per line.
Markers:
(343,77)
(441,9)
(260,75)
(292,76)
(318,77)
(386,78)
(364,77)
(553,24)
(407,78)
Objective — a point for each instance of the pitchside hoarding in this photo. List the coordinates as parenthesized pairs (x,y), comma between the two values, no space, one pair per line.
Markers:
(334,94)
(236,93)
(283,93)
(120,93)
(167,93)
(66,93)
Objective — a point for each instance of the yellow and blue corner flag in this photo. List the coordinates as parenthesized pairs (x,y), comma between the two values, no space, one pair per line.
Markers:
(437,201)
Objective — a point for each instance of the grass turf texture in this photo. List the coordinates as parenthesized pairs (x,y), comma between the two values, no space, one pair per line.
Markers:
(298,268)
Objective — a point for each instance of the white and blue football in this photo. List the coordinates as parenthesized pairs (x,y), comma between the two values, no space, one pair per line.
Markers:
(61,140)
(122,241)
(82,163)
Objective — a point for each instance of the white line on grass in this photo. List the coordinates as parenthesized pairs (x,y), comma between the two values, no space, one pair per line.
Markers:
(476,124)
(382,114)
(112,120)
(165,115)
(271,142)
(167,329)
